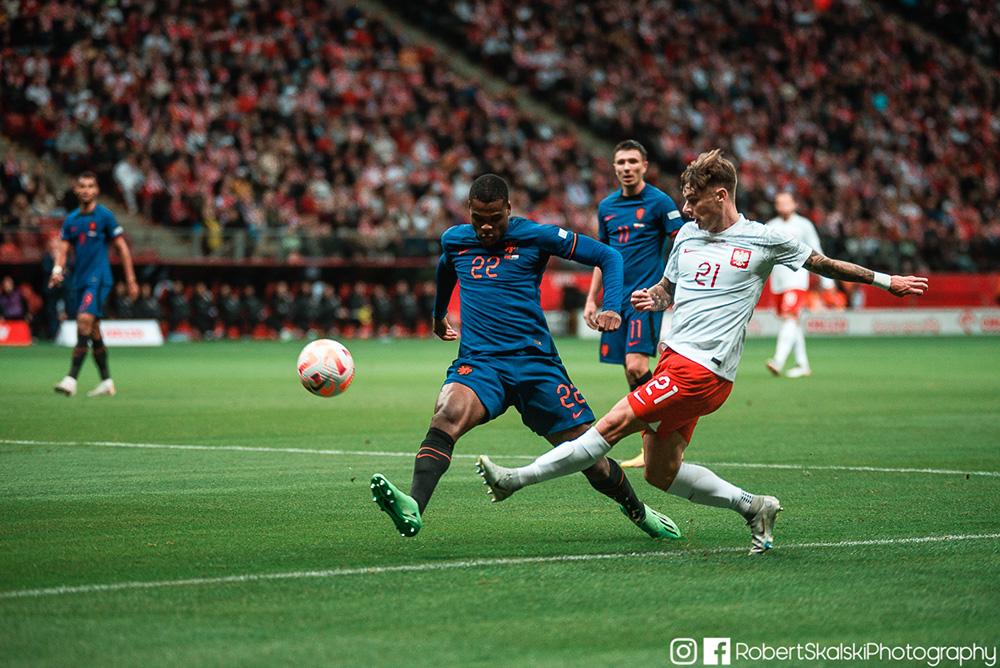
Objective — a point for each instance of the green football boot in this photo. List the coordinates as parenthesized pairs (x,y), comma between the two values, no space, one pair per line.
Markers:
(655,524)
(401,508)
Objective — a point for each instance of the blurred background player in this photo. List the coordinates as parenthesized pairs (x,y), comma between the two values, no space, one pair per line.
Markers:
(90,229)
(507,356)
(791,287)
(714,277)
(637,220)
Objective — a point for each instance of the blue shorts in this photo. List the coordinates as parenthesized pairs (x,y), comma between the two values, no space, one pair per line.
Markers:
(90,298)
(639,333)
(536,385)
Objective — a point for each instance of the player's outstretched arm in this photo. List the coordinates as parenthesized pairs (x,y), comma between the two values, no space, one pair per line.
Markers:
(587,251)
(848,271)
(126,256)
(657,298)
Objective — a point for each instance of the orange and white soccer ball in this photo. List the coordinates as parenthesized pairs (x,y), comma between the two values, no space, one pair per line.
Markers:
(326,367)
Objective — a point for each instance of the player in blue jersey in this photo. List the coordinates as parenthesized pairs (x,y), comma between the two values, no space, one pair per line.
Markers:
(637,220)
(507,357)
(90,230)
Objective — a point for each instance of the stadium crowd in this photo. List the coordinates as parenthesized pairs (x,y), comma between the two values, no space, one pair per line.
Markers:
(316,123)
(889,137)
(305,117)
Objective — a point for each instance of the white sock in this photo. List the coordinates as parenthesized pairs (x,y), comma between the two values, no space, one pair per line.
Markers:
(565,458)
(698,484)
(786,339)
(801,359)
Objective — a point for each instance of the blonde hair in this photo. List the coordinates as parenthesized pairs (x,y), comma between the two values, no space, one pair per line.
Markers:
(708,170)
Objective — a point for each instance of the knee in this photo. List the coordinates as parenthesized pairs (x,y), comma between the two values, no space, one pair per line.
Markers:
(84,327)
(635,369)
(662,477)
(659,479)
(449,420)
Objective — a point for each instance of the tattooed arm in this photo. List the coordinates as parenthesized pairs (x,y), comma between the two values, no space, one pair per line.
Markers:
(848,271)
(657,298)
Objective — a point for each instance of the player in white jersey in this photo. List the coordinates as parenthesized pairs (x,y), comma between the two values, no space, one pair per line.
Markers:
(714,277)
(791,287)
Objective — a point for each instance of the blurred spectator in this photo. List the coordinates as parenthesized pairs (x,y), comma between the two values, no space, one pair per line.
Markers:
(382,313)
(180,309)
(129,178)
(122,305)
(331,310)
(147,306)
(230,310)
(12,306)
(252,310)
(406,307)
(305,308)
(204,310)
(280,308)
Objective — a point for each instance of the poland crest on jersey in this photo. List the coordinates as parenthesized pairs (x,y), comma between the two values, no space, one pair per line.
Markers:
(740,258)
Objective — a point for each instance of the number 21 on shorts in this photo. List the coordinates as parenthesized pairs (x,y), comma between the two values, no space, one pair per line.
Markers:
(659,389)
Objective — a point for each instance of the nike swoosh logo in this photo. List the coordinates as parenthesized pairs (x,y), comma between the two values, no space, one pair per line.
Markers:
(688,250)
(609,217)
(578,413)
(463,252)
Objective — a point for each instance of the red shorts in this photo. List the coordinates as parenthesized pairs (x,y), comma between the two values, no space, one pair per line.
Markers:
(680,392)
(791,302)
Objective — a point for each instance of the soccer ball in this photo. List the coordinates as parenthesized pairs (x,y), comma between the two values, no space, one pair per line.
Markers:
(326,367)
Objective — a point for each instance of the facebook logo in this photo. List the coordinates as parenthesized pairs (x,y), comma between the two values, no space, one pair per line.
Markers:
(717,652)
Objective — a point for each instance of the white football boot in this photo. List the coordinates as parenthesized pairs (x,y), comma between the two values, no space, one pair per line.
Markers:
(499,480)
(799,372)
(772,366)
(106,388)
(760,519)
(66,386)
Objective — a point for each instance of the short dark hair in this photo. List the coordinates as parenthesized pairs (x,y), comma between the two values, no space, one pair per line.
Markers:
(630,145)
(87,175)
(489,188)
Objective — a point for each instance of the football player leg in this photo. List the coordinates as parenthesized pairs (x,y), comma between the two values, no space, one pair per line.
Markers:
(458,409)
(642,330)
(84,327)
(638,374)
(667,470)
(107,386)
(607,477)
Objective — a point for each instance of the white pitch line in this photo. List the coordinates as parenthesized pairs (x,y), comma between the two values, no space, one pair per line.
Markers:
(464,563)
(382,453)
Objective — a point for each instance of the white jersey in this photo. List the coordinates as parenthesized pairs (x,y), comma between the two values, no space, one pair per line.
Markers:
(718,279)
(784,279)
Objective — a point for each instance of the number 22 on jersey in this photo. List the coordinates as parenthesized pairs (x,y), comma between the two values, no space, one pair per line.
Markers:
(485,267)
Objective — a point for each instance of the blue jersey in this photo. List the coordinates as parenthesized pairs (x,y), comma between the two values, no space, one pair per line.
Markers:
(499,285)
(638,227)
(91,234)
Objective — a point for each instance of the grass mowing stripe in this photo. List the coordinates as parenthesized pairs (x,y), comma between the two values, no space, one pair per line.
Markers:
(378,453)
(470,563)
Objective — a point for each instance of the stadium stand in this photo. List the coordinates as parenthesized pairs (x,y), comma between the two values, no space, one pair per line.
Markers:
(326,133)
(891,139)
(303,120)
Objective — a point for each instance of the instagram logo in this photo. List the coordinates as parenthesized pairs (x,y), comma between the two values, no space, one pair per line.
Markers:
(683,651)
(718,652)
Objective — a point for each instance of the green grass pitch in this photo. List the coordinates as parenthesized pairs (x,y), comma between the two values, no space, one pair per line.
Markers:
(482,584)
